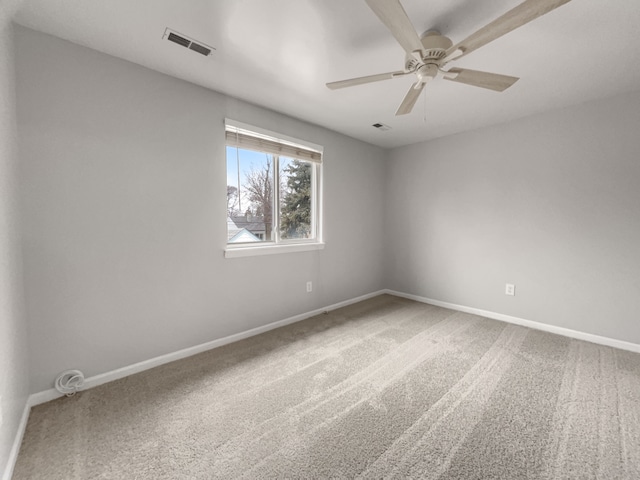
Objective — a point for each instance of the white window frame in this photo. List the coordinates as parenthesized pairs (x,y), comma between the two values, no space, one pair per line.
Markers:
(280,245)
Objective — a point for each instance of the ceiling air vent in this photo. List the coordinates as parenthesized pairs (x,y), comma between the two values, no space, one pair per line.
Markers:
(188,42)
(179,40)
(381,126)
(200,49)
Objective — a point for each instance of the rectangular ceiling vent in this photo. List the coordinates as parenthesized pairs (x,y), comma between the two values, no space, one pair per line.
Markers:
(187,42)
(381,126)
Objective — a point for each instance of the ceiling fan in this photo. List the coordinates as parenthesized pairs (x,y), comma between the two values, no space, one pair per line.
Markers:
(427,55)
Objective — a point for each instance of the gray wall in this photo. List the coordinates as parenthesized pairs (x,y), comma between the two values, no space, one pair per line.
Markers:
(123,189)
(14,372)
(550,203)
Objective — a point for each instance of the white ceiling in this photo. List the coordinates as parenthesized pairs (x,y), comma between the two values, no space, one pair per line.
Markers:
(280,53)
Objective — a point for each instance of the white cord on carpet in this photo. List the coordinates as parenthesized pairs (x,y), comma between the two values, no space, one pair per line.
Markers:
(69,382)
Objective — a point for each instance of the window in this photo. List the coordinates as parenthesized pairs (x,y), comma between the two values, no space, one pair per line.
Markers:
(273,192)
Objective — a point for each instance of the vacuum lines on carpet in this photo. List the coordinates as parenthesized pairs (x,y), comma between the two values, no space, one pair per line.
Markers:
(386,388)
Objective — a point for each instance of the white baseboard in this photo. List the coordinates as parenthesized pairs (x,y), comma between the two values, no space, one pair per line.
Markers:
(52,394)
(565,332)
(17,441)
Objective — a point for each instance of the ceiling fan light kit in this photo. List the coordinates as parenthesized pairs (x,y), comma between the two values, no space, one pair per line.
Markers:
(427,56)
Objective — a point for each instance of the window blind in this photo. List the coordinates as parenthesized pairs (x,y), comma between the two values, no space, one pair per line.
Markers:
(237,137)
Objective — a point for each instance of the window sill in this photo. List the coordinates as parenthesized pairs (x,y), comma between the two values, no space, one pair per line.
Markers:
(271,249)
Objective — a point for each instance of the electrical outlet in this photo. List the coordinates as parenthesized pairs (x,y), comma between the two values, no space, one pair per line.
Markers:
(309,287)
(510,289)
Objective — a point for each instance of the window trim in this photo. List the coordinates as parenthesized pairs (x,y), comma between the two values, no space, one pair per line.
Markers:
(282,245)
(250,250)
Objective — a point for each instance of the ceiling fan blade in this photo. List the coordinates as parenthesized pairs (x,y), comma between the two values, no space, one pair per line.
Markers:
(410,98)
(391,13)
(368,79)
(522,14)
(492,81)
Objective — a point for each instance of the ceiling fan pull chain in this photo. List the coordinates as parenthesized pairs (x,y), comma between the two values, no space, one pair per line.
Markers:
(425,105)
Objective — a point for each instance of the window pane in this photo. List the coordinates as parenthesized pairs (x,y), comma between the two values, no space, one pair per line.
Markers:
(295,198)
(249,196)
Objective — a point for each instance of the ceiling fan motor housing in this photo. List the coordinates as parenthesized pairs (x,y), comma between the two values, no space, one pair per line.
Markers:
(435,49)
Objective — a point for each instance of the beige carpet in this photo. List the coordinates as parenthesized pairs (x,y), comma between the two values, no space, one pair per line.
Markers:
(387,388)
